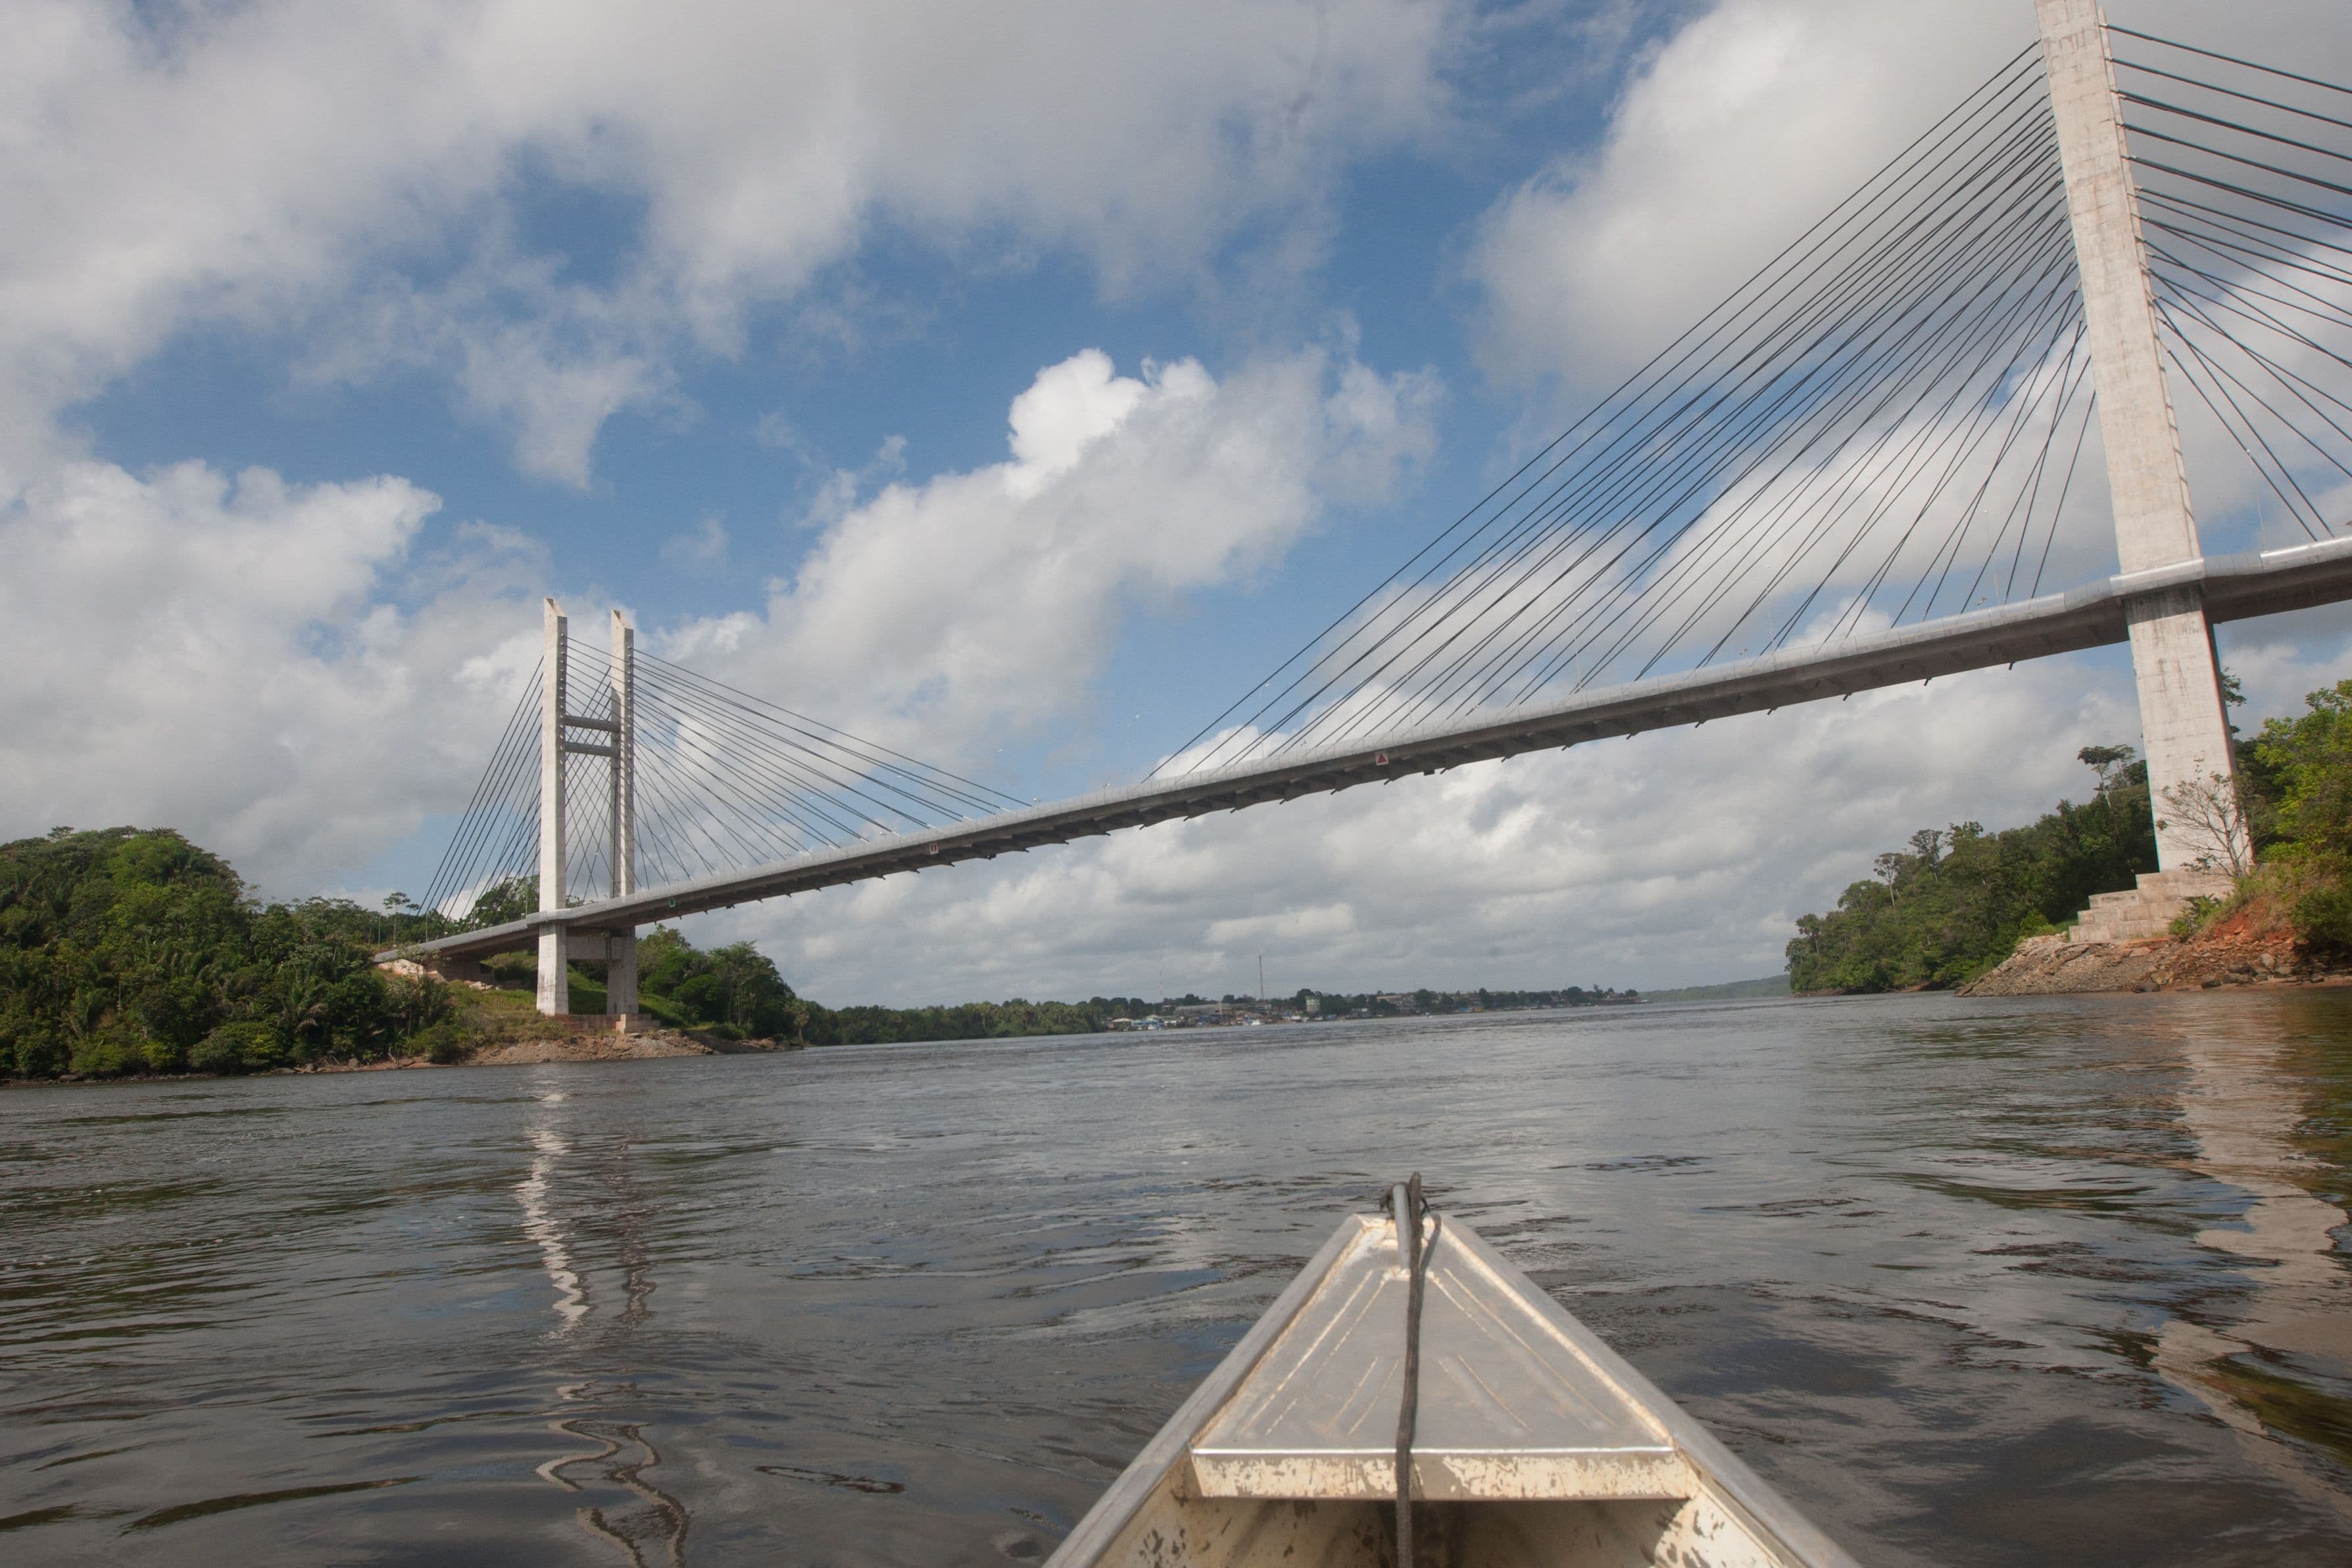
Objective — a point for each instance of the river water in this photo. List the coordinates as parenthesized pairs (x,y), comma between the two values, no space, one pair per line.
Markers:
(2051,1280)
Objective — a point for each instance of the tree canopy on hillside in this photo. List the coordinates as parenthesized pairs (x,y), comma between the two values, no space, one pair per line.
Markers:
(126,950)
(1954,901)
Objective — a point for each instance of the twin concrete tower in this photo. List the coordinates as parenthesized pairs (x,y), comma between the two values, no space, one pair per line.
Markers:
(615,740)
(2184,723)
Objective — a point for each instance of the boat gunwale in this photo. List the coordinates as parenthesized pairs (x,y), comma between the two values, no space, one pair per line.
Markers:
(1724,1478)
(1172,1444)
(1722,1473)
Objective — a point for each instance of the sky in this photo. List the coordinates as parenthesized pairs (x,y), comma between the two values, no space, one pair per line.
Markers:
(1014,385)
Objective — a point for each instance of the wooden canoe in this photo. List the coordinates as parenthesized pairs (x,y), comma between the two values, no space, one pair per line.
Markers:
(1535,1443)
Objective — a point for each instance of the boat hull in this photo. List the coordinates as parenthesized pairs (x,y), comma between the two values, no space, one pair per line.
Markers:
(1539,1446)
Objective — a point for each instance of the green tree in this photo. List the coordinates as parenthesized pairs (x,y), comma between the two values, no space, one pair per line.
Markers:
(1955,901)
(125,950)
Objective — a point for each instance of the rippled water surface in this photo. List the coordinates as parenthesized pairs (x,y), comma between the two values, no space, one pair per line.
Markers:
(2009,1282)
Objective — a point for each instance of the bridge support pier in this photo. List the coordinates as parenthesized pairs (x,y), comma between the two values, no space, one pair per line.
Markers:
(556,721)
(621,970)
(2184,722)
(554,939)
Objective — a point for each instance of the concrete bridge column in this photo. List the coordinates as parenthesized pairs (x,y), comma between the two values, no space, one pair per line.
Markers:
(2184,723)
(620,973)
(554,946)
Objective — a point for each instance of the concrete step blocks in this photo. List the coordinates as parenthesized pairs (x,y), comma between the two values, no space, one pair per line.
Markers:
(2145,913)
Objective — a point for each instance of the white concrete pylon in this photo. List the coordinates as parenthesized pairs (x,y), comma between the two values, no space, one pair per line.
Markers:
(554,949)
(621,968)
(2184,723)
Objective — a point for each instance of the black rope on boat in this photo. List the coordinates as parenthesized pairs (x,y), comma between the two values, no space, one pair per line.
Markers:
(1408,1206)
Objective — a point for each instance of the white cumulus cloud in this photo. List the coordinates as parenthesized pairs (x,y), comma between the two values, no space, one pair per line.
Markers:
(226,655)
(1742,130)
(361,179)
(977,603)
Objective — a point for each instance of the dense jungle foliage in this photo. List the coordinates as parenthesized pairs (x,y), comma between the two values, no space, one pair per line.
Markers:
(2298,787)
(129,951)
(1956,901)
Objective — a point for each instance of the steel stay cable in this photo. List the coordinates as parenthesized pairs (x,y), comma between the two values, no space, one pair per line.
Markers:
(686,834)
(2319,215)
(2039,342)
(2206,86)
(654,825)
(811,777)
(2243,161)
(2295,383)
(2238,222)
(2173,109)
(2223,420)
(1777,519)
(1893,472)
(690,831)
(1825,412)
(458,870)
(2081,439)
(2023,504)
(2227,299)
(2221,371)
(1872,192)
(777,764)
(694,783)
(2237,290)
(1902,160)
(1646,610)
(2038,301)
(483,790)
(1502,669)
(796,800)
(1864,362)
(1727,435)
(987,798)
(472,824)
(722,728)
(2077,372)
(716,812)
(1913,238)
(2228,255)
(715,695)
(757,833)
(2023,407)
(1734,428)
(2220,374)
(1457,593)
(1866,373)
(481,860)
(2059,306)
(2230,59)
(652,694)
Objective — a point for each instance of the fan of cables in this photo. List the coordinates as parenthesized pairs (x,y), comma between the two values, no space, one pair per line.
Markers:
(2245,175)
(1880,426)
(722,780)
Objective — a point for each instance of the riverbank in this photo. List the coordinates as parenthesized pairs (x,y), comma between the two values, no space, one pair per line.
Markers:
(652,1044)
(2254,945)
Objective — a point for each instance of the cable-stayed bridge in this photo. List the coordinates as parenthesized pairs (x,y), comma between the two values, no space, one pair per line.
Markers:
(1859,469)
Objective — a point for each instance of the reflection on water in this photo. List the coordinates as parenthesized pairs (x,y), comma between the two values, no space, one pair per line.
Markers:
(2000,1281)
(653,1529)
(539,1224)
(2277,1368)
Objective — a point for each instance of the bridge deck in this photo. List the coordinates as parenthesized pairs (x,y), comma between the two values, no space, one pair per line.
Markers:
(2235,588)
